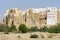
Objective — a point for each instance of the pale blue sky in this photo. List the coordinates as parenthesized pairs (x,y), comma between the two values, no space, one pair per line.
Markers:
(24,4)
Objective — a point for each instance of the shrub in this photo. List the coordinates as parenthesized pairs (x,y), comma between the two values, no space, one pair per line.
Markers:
(7,29)
(51,29)
(23,28)
(33,29)
(2,27)
(13,28)
(6,32)
(34,36)
(43,29)
(54,29)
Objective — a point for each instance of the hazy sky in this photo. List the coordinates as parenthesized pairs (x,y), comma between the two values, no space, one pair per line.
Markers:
(24,4)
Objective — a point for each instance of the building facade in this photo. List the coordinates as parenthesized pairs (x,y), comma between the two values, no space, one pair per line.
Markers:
(32,17)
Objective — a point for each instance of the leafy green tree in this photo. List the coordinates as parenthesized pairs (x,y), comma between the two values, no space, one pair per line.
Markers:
(23,28)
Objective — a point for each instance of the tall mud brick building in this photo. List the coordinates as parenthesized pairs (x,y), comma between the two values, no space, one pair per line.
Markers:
(32,17)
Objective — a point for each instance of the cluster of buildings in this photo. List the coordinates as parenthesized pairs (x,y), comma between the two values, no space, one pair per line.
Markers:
(32,17)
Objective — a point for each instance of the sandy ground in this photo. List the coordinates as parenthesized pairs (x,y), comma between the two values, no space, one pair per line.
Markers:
(26,36)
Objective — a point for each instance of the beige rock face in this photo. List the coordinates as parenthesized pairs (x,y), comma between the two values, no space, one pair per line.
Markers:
(30,17)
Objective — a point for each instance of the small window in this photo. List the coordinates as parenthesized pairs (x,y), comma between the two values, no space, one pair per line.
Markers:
(25,19)
(12,11)
(12,22)
(34,22)
(48,10)
(45,18)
